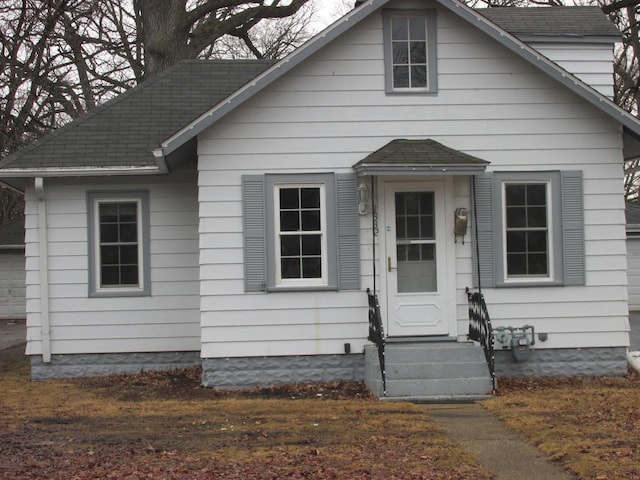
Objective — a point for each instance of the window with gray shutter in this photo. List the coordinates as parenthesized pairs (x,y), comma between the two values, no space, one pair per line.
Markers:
(301,232)
(530,229)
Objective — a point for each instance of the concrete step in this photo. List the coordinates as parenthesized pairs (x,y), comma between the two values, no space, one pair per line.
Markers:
(429,371)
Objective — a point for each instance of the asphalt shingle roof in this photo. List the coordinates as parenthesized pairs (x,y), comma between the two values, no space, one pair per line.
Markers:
(419,153)
(552,21)
(123,131)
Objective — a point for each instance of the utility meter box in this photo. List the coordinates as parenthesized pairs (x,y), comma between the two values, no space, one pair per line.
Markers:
(520,347)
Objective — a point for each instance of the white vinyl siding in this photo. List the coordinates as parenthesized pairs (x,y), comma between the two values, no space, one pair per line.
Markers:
(332,111)
(166,321)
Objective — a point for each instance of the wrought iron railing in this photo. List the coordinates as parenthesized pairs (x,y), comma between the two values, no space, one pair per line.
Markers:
(480,329)
(376,333)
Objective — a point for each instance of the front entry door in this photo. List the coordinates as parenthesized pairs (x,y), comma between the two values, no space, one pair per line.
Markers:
(415,259)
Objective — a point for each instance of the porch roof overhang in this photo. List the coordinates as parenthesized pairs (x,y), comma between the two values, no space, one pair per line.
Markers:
(419,157)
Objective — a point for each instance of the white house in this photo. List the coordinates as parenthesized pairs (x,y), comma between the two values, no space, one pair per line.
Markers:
(235,213)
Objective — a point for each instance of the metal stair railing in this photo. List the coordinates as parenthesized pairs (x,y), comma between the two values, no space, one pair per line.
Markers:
(480,329)
(376,333)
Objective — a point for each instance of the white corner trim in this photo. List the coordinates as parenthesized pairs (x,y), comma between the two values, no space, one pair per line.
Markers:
(43,254)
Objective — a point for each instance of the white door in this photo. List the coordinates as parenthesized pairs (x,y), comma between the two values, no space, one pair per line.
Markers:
(415,259)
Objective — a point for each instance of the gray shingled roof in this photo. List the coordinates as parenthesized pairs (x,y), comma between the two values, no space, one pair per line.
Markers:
(552,21)
(12,234)
(420,156)
(123,131)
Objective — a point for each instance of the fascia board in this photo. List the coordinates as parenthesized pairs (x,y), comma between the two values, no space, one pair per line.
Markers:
(270,75)
(540,61)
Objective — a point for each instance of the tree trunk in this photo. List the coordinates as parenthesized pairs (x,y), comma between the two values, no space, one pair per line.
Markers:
(165,33)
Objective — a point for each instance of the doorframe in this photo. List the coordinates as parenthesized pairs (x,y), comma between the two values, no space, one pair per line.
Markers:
(449,289)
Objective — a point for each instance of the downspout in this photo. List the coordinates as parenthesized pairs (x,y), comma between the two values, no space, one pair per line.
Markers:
(43,253)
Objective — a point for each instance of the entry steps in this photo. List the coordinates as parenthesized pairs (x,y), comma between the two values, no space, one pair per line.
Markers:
(429,372)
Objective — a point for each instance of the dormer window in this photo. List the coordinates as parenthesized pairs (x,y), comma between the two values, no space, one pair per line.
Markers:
(410,51)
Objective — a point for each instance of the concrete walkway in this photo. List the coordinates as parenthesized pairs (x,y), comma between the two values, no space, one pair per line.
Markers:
(501,451)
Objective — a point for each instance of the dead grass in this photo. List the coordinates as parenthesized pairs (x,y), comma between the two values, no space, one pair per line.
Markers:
(589,425)
(163,426)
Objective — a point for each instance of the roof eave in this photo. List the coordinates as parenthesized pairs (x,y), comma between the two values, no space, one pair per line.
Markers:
(395,169)
(80,171)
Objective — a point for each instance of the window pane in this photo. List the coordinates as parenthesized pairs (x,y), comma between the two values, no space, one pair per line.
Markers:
(400,53)
(109,255)
(289,198)
(310,198)
(426,227)
(537,194)
(127,212)
(311,220)
(401,251)
(400,77)
(128,232)
(311,245)
(516,264)
(418,52)
(537,264)
(289,221)
(417,28)
(401,228)
(536,216)
(412,202)
(290,267)
(399,29)
(516,242)
(413,227)
(109,233)
(426,203)
(311,267)
(419,76)
(129,255)
(290,245)
(515,194)
(108,212)
(516,217)
(413,253)
(428,252)
(537,241)
(129,275)
(110,276)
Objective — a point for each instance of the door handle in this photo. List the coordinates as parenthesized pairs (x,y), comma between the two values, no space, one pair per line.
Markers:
(389,264)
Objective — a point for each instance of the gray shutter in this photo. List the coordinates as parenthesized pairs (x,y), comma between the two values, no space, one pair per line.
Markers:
(253,220)
(348,232)
(484,224)
(573,228)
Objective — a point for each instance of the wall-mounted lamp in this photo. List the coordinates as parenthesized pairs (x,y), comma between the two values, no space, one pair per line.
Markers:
(460,224)
(363,198)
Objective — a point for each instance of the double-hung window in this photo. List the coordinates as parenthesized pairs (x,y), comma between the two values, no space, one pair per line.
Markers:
(118,236)
(529,228)
(410,51)
(300,230)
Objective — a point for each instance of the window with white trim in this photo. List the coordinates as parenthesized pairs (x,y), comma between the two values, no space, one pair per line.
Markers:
(118,236)
(527,230)
(410,51)
(300,228)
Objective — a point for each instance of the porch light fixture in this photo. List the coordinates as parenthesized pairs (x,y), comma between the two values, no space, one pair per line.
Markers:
(363,198)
